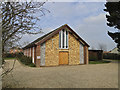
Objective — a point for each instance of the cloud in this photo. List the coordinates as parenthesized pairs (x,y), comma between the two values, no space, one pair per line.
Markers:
(94,30)
(93,19)
(72,9)
(86,18)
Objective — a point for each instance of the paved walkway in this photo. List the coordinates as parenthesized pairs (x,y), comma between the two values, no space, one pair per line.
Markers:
(79,76)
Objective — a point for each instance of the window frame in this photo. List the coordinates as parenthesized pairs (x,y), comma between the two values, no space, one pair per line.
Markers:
(65,35)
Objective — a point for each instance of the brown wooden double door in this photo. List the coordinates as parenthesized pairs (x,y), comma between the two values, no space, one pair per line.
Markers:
(63,57)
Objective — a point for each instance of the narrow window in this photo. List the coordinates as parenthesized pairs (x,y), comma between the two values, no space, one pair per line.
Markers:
(30,52)
(27,52)
(63,38)
(66,39)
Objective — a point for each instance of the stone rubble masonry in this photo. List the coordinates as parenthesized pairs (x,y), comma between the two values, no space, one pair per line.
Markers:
(52,51)
(74,50)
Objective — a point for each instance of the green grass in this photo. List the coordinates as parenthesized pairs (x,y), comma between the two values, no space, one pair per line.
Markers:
(99,62)
(113,59)
(9,58)
(32,65)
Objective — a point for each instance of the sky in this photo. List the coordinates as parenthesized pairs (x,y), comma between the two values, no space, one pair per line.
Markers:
(87,19)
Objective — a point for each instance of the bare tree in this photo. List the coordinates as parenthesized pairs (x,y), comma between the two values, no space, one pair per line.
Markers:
(17,19)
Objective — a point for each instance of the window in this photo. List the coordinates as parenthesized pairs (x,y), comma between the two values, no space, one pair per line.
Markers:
(63,39)
(30,52)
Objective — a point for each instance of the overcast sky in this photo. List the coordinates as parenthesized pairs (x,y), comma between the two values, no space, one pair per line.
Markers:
(87,19)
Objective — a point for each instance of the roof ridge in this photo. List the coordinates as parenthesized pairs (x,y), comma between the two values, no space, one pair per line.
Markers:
(50,34)
(42,37)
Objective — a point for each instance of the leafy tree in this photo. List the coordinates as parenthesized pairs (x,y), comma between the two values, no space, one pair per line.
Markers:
(113,8)
(19,18)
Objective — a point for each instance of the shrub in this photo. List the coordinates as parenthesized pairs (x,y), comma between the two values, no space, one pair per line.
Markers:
(9,55)
(111,56)
(32,65)
(25,60)
(18,55)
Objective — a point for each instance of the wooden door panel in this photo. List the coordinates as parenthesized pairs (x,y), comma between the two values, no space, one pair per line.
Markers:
(63,58)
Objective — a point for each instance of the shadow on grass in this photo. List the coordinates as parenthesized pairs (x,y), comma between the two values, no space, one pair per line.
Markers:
(99,62)
(9,58)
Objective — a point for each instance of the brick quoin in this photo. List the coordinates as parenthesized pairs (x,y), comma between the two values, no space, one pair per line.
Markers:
(35,55)
(86,54)
(38,55)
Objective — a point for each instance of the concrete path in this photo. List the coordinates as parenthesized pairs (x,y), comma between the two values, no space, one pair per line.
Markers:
(79,76)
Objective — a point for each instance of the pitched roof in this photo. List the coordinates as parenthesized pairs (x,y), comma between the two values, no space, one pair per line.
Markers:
(114,50)
(96,50)
(50,34)
(33,43)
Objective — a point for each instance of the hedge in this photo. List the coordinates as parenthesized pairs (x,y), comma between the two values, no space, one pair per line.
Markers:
(9,55)
(111,56)
(24,59)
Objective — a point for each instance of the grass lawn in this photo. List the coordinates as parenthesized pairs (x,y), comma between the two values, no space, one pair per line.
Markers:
(10,58)
(99,62)
(115,60)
